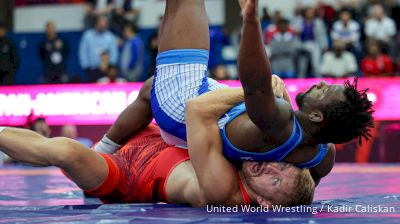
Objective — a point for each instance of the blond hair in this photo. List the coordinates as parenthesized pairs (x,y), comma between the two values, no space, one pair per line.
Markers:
(303,192)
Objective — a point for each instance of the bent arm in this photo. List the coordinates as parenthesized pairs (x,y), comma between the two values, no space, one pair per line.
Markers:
(213,105)
(215,175)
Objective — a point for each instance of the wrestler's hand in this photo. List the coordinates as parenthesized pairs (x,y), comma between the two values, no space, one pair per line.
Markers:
(279,89)
(278,86)
(249,9)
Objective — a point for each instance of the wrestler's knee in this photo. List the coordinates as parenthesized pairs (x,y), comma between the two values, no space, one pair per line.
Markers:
(145,91)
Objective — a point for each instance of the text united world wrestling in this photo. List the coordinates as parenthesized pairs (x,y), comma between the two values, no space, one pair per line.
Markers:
(303,209)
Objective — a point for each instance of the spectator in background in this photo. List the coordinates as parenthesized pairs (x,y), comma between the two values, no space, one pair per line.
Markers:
(265,18)
(105,64)
(303,4)
(117,21)
(367,7)
(102,7)
(395,53)
(352,6)
(111,76)
(284,44)
(53,53)
(220,72)
(130,9)
(395,13)
(376,63)
(272,28)
(71,131)
(327,13)
(93,43)
(347,31)
(40,126)
(153,47)
(132,55)
(338,63)
(380,27)
(314,40)
(9,60)
(89,20)
(218,39)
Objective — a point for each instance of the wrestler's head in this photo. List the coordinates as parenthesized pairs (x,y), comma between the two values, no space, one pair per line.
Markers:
(276,183)
(335,113)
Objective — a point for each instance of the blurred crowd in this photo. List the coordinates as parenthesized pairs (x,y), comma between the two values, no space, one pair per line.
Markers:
(321,40)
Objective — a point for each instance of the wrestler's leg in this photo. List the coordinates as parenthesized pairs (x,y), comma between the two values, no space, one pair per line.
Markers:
(135,118)
(85,167)
(185,26)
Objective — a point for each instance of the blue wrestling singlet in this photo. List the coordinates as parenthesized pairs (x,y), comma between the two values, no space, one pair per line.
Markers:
(181,75)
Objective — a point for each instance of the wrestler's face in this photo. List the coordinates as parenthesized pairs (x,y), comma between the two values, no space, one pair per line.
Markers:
(318,96)
(272,181)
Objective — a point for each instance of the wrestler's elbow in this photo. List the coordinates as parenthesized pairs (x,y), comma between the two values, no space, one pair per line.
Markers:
(196,109)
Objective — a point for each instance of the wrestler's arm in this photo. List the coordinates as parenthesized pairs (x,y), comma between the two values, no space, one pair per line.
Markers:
(256,76)
(216,180)
(213,104)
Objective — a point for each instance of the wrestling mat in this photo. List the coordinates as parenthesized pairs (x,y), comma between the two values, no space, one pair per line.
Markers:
(350,194)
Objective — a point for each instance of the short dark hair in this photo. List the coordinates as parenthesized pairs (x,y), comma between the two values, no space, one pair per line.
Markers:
(349,119)
(131,26)
(346,10)
(283,21)
(112,67)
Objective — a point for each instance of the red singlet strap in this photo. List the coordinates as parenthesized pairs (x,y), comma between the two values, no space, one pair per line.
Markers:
(246,197)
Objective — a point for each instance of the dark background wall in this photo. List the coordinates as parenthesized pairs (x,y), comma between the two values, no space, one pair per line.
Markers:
(6,12)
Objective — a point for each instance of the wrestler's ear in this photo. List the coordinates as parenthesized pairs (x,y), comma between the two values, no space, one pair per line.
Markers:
(316,116)
(264,202)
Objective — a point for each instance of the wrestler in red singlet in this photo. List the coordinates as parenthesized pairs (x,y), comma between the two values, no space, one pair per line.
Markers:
(139,171)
